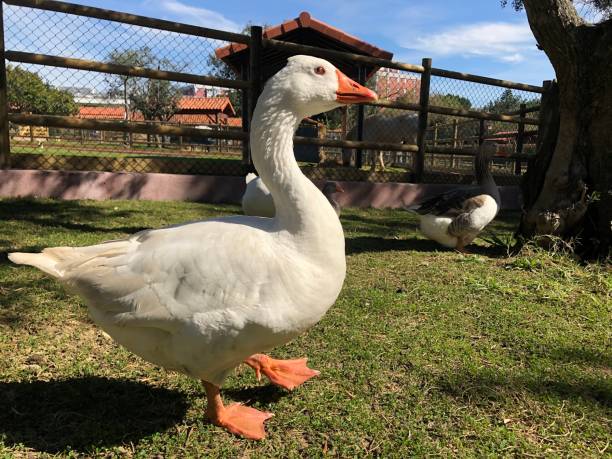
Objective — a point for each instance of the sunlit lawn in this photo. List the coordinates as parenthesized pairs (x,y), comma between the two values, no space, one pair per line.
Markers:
(426,352)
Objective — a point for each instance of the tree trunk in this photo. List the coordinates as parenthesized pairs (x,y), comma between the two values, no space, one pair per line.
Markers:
(567,188)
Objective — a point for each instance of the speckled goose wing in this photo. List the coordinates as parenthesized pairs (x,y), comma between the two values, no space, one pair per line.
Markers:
(476,213)
(449,203)
(162,278)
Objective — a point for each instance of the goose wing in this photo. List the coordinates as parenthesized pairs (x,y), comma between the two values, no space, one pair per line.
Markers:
(161,278)
(449,203)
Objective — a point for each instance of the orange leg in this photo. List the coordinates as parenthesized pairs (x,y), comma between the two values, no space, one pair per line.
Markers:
(284,373)
(238,419)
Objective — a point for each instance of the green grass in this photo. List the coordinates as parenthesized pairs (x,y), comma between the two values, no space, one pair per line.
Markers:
(427,352)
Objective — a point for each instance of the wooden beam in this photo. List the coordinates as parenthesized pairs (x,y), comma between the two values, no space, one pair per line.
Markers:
(5,143)
(132,19)
(120,126)
(117,69)
(419,160)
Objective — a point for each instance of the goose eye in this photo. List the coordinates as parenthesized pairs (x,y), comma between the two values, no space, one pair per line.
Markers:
(320,70)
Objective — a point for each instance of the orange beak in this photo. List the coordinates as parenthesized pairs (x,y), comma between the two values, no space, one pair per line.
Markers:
(339,189)
(351,92)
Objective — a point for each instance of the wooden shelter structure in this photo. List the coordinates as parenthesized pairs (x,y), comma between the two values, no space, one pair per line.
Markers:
(305,30)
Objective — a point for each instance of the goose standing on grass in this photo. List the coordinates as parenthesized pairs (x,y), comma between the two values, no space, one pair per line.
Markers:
(200,298)
(258,201)
(454,218)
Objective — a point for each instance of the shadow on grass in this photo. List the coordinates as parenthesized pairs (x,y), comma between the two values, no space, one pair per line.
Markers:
(375,244)
(496,384)
(84,413)
(63,214)
(265,394)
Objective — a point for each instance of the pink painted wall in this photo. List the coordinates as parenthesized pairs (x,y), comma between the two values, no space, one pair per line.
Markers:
(213,189)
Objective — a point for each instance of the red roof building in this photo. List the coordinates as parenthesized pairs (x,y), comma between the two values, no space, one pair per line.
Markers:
(304,30)
(191,111)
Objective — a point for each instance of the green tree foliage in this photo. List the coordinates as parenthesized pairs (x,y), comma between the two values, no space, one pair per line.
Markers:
(28,93)
(505,103)
(155,99)
(589,7)
(450,100)
(123,85)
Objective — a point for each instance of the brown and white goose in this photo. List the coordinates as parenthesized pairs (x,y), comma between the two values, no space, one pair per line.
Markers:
(454,218)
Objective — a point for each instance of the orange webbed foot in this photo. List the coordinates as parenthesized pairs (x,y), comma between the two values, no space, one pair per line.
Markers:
(288,374)
(242,420)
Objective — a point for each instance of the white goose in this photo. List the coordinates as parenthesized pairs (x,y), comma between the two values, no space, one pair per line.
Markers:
(258,201)
(188,298)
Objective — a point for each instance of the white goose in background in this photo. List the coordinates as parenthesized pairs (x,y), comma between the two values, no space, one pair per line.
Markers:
(202,297)
(454,218)
(258,201)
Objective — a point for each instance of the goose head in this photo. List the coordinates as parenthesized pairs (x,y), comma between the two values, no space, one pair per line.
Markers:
(331,188)
(308,85)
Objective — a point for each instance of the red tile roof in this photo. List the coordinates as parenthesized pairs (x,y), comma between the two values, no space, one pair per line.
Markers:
(232,121)
(117,113)
(112,113)
(215,104)
(305,20)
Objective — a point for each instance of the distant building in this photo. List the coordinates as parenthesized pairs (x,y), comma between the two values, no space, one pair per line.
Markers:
(192,111)
(394,84)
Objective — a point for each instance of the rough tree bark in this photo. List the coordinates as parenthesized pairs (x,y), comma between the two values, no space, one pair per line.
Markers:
(568,187)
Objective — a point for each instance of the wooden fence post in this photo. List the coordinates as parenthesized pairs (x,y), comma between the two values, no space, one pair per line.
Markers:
(360,115)
(520,141)
(255,79)
(455,137)
(244,114)
(482,132)
(5,143)
(419,163)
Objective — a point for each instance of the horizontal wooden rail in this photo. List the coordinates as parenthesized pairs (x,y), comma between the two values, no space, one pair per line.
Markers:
(485,80)
(535,108)
(354,144)
(480,115)
(132,19)
(117,69)
(121,126)
(453,111)
(375,61)
(469,152)
(396,104)
(154,128)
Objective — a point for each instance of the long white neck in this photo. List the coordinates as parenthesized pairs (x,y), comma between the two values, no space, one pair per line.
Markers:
(300,206)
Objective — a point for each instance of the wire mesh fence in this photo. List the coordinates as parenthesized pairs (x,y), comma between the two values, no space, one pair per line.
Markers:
(41,38)
(102,96)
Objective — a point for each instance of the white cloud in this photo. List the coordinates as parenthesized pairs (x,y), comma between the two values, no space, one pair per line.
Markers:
(199,16)
(516,57)
(508,42)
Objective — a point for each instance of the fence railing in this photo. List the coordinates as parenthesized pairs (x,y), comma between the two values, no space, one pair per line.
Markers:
(250,83)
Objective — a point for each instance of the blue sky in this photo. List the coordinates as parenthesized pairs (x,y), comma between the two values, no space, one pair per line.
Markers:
(477,36)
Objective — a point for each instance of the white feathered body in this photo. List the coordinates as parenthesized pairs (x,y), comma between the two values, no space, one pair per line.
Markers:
(257,199)
(471,223)
(435,227)
(202,297)
(199,298)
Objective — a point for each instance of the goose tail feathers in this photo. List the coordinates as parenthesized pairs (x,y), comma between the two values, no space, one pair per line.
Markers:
(46,261)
